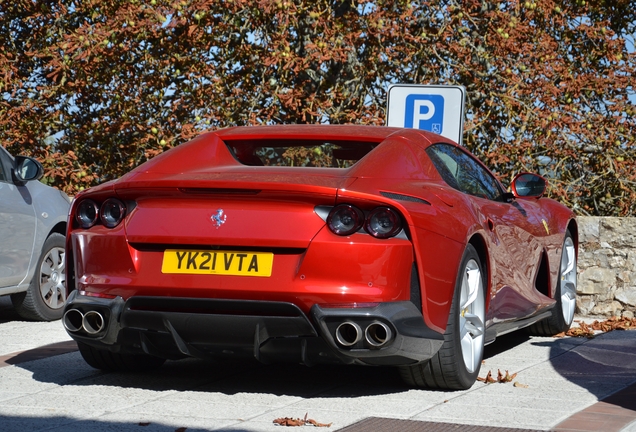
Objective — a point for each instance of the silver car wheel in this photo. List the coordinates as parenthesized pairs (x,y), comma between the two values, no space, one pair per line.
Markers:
(472,316)
(53,278)
(568,280)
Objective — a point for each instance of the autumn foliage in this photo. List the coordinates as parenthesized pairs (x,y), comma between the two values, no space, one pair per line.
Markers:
(93,88)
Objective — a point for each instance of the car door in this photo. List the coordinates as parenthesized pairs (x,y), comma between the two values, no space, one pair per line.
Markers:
(513,229)
(17,226)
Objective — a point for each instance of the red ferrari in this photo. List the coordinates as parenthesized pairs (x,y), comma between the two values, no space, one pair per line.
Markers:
(317,244)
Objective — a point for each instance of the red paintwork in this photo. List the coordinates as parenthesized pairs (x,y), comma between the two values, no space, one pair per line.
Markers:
(318,266)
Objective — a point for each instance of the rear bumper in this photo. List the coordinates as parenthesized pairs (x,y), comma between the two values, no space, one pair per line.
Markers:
(269,331)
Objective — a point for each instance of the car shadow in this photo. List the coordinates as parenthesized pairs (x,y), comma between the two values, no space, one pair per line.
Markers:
(505,343)
(228,377)
(72,424)
(7,312)
(234,376)
(598,365)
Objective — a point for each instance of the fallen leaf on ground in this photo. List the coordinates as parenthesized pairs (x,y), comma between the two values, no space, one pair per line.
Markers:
(506,378)
(144,424)
(518,384)
(614,323)
(501,378)
(288,421)
(488,380)
(610,324)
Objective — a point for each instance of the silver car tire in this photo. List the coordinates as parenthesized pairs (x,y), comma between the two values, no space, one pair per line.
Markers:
(44,299)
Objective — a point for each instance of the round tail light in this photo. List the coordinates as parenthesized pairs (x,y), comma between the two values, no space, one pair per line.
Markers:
(87,214)
(112,212)
(383,222)
(345,219)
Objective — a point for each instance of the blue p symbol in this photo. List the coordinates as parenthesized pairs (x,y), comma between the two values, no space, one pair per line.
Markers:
(424,112)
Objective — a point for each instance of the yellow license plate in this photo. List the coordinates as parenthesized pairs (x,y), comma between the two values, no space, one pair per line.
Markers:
(217,262)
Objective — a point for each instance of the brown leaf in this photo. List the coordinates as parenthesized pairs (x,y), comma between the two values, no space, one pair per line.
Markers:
(315,423)
(144,424)
(500,377)
(181,429)
(507,378)
(488,380)
(610,324)
(288,421)
(518,384)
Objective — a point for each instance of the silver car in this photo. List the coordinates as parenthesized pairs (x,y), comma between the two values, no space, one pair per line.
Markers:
(32,239)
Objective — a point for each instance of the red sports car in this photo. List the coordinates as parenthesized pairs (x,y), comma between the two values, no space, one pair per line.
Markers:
(313,244)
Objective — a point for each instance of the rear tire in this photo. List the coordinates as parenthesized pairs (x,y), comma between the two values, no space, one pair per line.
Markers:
(565,295)
(117,362)
(44,299)
(456,365)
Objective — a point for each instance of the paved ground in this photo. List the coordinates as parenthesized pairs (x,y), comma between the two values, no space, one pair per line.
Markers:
(557,380)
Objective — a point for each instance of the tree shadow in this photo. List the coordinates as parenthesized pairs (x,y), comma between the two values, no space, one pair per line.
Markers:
(602,365)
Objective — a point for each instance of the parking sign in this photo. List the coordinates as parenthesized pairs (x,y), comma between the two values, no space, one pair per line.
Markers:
(439,109)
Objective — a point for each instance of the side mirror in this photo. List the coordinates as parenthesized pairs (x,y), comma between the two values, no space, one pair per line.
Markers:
(529,185)
(26,169)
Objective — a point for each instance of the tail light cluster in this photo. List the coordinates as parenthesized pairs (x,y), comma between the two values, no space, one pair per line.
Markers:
(381,222)
(110,213)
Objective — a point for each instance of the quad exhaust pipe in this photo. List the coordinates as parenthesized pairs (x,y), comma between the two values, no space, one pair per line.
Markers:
(348,333)
(377,334)
(92,322)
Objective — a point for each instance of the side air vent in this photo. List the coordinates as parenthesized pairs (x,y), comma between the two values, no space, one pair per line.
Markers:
(400,197)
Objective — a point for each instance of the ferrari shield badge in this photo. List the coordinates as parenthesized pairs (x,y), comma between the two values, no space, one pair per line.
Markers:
(219,218)
(545,225)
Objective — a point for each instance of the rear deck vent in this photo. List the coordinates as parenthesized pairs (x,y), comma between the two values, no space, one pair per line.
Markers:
(218,191)
(400,197)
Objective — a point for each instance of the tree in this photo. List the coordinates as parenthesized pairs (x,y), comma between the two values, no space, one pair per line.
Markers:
(94,88)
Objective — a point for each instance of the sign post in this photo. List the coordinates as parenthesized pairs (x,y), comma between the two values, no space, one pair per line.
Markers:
(438,109)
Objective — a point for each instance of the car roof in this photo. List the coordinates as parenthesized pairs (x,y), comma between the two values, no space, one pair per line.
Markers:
(307,131)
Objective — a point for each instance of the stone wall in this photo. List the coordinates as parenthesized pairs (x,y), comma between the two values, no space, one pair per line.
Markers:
(607,267)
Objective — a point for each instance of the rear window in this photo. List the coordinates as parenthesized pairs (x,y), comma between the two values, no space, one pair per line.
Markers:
(300,153)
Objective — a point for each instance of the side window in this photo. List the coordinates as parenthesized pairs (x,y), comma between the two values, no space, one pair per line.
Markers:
(461,171)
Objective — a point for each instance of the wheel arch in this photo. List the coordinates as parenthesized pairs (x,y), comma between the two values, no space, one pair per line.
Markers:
(59,228)
(479,243)
(573,227)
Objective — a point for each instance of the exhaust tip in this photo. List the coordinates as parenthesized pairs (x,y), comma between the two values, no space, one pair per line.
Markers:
(377,334)
(93,322)
(348,333)
(72,320)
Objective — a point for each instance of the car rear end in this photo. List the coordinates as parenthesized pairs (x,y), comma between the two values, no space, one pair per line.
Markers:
(258,261)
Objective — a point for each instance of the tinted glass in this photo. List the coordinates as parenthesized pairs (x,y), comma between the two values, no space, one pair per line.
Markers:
(299,153)
(461,171)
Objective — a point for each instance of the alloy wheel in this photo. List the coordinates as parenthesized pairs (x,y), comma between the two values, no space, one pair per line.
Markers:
(53,278)
(472,316)
(568,280)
